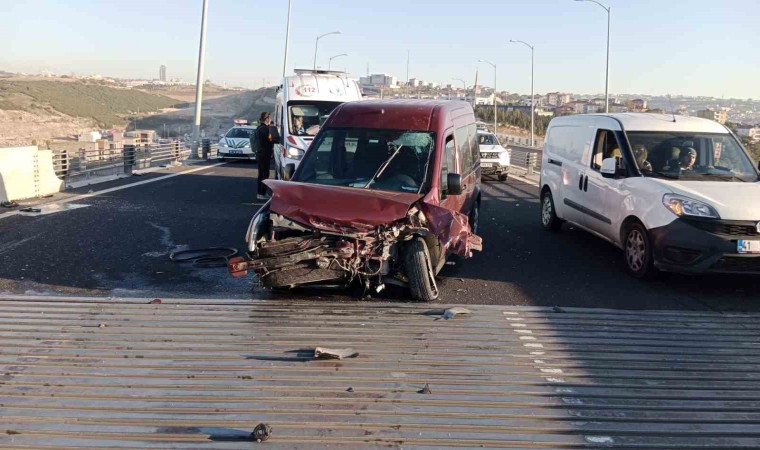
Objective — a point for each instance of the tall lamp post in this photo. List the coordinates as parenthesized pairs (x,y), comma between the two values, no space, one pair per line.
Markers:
(199,85)
(532,99)
(316,45)
(287,39)
(607,81)
(329,64)
(464,86)
(494,91)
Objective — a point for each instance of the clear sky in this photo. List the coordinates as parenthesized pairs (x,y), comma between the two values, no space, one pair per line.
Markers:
(695,47)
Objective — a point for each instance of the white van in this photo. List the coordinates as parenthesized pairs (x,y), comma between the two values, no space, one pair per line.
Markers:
(304,101)
(675,193)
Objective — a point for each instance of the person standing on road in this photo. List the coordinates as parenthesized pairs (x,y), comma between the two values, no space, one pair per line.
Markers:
(264,152)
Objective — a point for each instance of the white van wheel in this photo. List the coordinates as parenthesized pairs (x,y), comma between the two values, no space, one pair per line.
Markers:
(549,219)
(638,252)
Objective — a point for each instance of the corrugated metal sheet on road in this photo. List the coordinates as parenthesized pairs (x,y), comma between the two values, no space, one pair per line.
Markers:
(121,373)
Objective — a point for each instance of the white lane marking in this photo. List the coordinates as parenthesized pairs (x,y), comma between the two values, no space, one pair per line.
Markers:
(114,189)
(544,368)
(209,173)
(600,439)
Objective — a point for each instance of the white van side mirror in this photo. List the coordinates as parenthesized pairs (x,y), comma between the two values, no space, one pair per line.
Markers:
(609,168)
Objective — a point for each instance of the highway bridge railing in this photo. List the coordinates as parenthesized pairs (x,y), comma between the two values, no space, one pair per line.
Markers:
(92,165)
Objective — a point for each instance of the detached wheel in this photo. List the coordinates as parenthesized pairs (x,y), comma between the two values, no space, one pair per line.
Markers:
(549,219)
(419,270)
(637,249)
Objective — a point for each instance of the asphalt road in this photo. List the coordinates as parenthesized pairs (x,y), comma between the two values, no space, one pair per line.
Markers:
(119,244)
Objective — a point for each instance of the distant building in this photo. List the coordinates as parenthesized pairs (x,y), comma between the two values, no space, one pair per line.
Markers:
(752,132)
(556,99)
(618,108)
(90,136)
(639,105)
(564,110)
(415,82)
(162,73)
(379,80)
(718,116)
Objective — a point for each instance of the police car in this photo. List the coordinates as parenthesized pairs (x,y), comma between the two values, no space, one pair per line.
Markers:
(236,143)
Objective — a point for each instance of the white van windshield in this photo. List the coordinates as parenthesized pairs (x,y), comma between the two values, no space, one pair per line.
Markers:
(691,156)
(305,118)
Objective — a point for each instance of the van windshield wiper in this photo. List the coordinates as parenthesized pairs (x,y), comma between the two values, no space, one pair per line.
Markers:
(383,167)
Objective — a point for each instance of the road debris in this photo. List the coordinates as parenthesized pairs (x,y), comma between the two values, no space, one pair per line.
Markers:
(9,204)
(334,353)
(455,311)
(425,390)
(31,210)
(204,257)
(557,309)
(155,301)
(350,389)
(262,432)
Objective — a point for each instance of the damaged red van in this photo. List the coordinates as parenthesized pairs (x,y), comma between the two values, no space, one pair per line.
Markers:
(385,193)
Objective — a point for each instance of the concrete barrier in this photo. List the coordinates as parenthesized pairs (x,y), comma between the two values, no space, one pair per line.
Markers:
(27,172)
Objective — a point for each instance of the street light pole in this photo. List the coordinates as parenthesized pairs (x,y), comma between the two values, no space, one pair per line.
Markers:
(408,53)
(316,44)
(329,64)
(532,98)
(607,75)
(287,37)
(494,91)
(464,86)
(199,84)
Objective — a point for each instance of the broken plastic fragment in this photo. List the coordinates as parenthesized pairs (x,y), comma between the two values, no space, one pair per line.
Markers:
(262,432)
(455,311)
(334,353)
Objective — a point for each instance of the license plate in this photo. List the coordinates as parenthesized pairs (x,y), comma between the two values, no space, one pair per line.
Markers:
(748,247)
(236,152)
(486,165)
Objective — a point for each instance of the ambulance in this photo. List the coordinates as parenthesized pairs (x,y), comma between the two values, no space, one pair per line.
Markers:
(304,101)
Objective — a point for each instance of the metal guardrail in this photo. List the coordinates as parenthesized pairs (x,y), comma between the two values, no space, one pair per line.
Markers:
(86,165)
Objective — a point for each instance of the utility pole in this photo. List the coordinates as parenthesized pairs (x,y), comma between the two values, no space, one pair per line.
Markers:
(287,37)
(532,100)
(199,84)
(407,73)
(494,91)
(316,45)
(607,72)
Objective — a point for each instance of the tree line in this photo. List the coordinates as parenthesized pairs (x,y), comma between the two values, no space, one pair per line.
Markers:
(515,118)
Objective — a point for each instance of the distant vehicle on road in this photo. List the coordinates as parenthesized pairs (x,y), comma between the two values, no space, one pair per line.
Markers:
(385,193)
(236,143)
(677,194)
(494,158)
(304,101)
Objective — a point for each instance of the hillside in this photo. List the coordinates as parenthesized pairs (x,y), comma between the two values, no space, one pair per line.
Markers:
(106,106)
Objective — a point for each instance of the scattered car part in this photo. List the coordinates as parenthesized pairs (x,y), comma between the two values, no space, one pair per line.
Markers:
(205,257)
(262,432)
(333,353)
(455,311)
